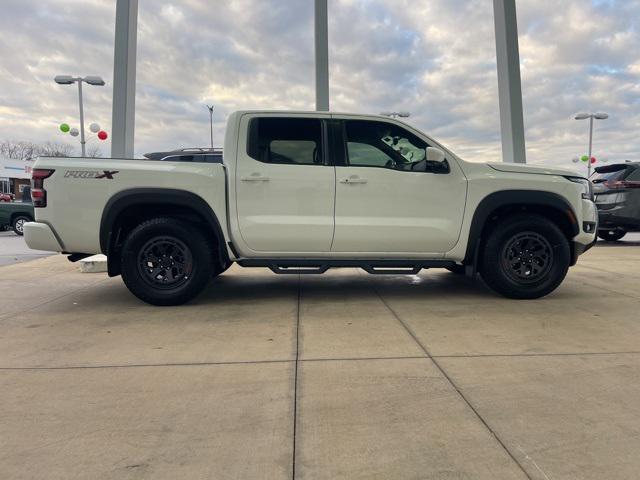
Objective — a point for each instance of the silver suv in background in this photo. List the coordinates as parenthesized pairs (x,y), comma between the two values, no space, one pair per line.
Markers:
(617,195)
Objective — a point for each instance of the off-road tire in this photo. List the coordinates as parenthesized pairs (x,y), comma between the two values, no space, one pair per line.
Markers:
(154,246)
(525,275)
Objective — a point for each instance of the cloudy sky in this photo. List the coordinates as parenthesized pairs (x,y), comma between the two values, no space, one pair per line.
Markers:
(434,58)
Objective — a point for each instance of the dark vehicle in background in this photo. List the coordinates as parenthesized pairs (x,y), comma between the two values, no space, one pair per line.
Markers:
(15,214)
(206,155)
(617,196)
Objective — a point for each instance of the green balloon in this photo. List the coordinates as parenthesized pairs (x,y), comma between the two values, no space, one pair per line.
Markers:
(64,127)
(584,158)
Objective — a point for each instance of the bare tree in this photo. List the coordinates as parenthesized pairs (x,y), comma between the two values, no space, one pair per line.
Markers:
(94,152)
(55,149)
(22,150)
(17,150)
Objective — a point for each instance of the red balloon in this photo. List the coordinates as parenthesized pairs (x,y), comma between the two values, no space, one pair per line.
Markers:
(593,160)
(102,135)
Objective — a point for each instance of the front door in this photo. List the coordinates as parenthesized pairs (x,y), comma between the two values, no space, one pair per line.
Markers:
(285,188)
(390,199)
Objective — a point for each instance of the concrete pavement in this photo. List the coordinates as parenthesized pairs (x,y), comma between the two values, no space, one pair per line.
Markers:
(343,375)
(14,250)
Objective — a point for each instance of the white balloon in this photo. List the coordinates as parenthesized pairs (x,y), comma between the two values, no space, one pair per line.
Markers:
(94,127)
(575,160)
(74,132)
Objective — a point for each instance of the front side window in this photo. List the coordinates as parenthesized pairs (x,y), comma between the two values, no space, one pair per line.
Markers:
(289,141)
(381,144)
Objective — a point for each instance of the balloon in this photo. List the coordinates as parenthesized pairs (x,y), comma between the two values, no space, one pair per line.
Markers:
(593,160)
(64,127)
(575,159)
(584,158)
(74,132)
(102,135)
(94,127)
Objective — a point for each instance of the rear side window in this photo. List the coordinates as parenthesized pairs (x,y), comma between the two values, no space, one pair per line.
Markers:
(634,176)
(289,141)
(198,158)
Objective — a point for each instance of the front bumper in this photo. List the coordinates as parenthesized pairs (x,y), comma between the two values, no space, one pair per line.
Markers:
(579,249)
(587,217)
(40,236)
(586,237)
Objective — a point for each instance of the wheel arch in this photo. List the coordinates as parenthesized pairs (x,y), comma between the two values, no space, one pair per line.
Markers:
(15,215)
(127,208)
(498,205)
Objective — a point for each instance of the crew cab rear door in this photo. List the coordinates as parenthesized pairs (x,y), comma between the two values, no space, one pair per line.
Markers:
(388,198)
(285,184)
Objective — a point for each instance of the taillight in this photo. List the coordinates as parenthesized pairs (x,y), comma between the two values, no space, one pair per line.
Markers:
(622,184)
(38,193)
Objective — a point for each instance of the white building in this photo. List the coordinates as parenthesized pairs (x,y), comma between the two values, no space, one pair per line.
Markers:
(14,175)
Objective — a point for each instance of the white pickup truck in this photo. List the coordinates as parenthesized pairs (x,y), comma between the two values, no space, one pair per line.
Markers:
(302,192)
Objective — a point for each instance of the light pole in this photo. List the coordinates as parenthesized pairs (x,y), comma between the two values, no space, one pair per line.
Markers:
(210,107)
(591,117)
(69,80)
(396,114)
(321,37)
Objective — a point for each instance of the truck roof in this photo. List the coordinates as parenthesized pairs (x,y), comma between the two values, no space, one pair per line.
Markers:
(313,113)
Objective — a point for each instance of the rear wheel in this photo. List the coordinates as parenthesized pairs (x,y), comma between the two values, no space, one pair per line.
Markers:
(611,235)
(18,224)
(526,256)
(166,261)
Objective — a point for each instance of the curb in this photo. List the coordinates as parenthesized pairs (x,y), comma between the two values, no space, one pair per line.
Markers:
(93,264)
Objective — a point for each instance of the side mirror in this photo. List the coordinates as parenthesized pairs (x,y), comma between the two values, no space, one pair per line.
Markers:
(435,155)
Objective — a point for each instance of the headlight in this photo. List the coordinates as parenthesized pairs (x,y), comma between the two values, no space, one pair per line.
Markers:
(587,188)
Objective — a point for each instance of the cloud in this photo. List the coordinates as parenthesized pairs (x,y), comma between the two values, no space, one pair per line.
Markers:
(433,58)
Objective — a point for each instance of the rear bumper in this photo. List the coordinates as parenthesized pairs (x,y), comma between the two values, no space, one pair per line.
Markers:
(40,236)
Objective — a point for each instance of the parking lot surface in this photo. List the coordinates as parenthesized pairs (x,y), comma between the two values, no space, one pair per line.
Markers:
(14,250)
(342,375)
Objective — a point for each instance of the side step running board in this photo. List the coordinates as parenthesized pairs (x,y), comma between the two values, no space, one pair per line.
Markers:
(280,269)
(317,266)
(390,271)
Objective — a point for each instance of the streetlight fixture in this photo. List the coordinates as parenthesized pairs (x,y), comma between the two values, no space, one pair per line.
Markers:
(69,80)
(396,114)
(591,117)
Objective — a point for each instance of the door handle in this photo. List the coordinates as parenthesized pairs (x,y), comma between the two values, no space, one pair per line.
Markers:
(353,180)
(256,177)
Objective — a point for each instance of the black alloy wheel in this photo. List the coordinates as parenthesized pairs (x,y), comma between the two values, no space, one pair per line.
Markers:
(165,262)
(527,257)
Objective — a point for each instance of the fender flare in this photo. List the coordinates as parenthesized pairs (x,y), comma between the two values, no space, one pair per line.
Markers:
(125,199)
(505,198)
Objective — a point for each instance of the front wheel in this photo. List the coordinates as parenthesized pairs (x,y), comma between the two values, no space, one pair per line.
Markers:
(18,224)
(611,235)
(166,261)
(525,257)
